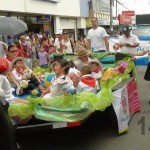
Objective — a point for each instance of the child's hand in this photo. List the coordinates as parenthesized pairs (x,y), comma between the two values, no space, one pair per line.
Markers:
(64,46)
(43,93)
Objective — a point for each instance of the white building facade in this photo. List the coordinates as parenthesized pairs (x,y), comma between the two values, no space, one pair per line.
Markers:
(53,15)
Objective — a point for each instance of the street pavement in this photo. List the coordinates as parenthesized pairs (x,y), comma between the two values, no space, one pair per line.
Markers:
(96,133)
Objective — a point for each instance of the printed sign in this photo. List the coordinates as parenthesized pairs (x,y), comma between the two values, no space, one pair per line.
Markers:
(126,103)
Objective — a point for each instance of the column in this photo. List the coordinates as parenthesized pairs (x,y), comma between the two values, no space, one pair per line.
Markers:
(57,27)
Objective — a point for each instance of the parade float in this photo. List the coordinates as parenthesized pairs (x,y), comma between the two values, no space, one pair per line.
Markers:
(118,90)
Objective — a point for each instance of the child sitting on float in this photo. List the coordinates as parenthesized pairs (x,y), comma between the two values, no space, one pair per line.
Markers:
(61,84)
(96,68)
(24,76)
(87,82)
(74,74)
(5,87)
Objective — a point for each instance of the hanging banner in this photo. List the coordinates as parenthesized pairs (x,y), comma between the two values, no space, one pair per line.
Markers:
(127,17)
(126,103)
(128,13)
(124,19)
(134,102)
(120,105)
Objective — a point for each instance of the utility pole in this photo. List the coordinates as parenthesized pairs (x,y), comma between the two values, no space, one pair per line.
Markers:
(116,9)
(111,15)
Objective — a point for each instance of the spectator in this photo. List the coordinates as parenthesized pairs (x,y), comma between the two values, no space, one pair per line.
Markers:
(127,42)
(68,43)
(97,37)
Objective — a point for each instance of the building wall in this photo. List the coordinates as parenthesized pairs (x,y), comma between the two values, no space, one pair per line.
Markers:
(64,8)
(84,8)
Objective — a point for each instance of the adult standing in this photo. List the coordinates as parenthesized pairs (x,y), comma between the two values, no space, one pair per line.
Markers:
(58,42)
(97,37)
(128,42)
(68,43)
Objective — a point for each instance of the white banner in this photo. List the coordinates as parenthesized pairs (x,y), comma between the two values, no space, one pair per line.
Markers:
(126,102)
(120,104)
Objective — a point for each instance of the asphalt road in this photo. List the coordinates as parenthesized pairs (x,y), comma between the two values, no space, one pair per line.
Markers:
(96,133)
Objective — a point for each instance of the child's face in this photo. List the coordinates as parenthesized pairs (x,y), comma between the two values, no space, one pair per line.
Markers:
(95,66)
(58,69)
(42,49)
(19,64)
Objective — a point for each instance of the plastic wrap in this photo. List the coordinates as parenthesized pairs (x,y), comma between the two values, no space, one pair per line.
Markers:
(74,107)
(41,70)
(20,110)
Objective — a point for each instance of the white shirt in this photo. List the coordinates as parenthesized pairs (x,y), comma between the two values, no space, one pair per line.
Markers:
(2,50)
(57,45)
(97,38)
(74,70)
(69,48)
(17,76)
(79,63)
(6,87)
(84,87)
(132,39)
(97,75)
(57,84)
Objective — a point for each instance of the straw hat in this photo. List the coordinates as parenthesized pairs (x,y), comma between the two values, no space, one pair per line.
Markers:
(96,62)
(81,51)
(16,59)
(22,37)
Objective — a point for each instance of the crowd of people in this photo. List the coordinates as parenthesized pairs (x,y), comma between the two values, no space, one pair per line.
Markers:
(71,77)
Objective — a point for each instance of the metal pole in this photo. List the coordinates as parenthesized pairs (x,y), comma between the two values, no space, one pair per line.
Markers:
(116,9)
(111,15)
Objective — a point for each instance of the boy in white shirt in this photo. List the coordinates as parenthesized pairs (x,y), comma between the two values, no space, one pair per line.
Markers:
(87,82)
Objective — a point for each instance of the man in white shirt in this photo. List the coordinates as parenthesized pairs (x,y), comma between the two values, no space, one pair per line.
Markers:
(128,42)
(97,37)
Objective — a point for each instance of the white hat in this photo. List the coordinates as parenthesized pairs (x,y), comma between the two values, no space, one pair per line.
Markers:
(27,38)
(97,62)
(16,59)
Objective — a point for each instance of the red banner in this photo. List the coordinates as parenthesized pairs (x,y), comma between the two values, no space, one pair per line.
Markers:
(128,13)
(134,102)
(124,19)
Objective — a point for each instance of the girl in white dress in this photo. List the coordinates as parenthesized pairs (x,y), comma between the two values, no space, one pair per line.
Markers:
(60,83)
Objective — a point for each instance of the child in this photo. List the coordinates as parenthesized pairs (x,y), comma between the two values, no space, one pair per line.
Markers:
(5,85)
(43,58)
(96,68)
(60,82)
(19,72)
(87,82)
(28,46)
(74,74)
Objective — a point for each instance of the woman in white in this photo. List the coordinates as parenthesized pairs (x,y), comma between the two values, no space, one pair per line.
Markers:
(68,44)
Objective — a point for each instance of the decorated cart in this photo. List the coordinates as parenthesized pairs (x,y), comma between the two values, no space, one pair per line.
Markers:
(118,90)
